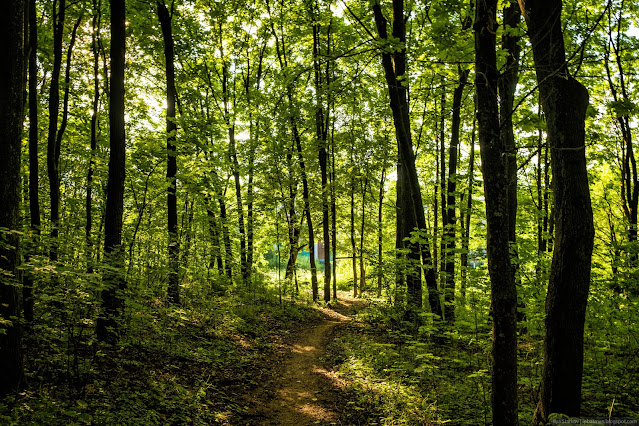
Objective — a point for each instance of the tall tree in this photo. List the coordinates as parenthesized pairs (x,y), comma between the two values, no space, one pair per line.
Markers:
(12,89)
(409,200)
(507,85)
(322,120)
(450,201)
(619,83)
(34,196)
(502,283)
(166,19)
(565,102)
(53,150)
(108,327)
(96,49)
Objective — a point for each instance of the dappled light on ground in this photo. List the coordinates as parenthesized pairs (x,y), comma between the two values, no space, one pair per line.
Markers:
(303,391)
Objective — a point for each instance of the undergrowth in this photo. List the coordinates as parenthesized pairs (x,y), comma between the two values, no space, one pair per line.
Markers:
(397,376)
(191,364)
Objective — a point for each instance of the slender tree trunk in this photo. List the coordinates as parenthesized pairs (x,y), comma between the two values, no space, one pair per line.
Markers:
(34,196)
(503,290)
(333,212)
(353,245)
(293,244)
(292,220)
(449,236)
(12,89)
(235,166)
(307,209)
(228,251)
(59,10)
(564,101)
(322,117)
(629,176)
(442,194)
(108,326)
(362,271)
(165,17)
(380,233)
(95,47)
(467,215)
(216,249)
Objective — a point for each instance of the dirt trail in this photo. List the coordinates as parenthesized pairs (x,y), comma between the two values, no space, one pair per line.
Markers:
(303,392)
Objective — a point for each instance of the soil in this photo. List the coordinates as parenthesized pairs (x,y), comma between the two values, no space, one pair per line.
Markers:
(302,390)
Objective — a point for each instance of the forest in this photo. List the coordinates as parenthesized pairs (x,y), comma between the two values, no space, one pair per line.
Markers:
(296,212)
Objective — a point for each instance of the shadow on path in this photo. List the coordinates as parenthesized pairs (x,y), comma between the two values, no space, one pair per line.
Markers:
(302,391)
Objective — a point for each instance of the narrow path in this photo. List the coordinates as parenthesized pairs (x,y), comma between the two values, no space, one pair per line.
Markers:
(302,391)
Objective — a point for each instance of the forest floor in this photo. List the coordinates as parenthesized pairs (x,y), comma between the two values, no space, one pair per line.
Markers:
(302,388)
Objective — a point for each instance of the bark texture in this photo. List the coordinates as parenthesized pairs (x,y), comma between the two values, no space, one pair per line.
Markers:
(503,291)
(12,89)
(108,327)
(165,18)
(564,101)
(410,209)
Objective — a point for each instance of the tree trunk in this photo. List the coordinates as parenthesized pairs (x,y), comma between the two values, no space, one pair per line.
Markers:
(467,215)
(410,205)
(95,47)
(108,327)
(165,19)
(628,164)
(564,101)
(307,210)
(507,85)
(333,212)
(380,233)
(451,202)
(352,217)
(216,250)
(362,271)
(12,89)
(322,117)
(226,238)
(54,108)
(503,290)
(34,197)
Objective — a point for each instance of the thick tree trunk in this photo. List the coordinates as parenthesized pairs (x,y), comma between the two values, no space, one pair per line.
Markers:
(12,89)
(165,19)
(564,101)
(503,290)
(108,327)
